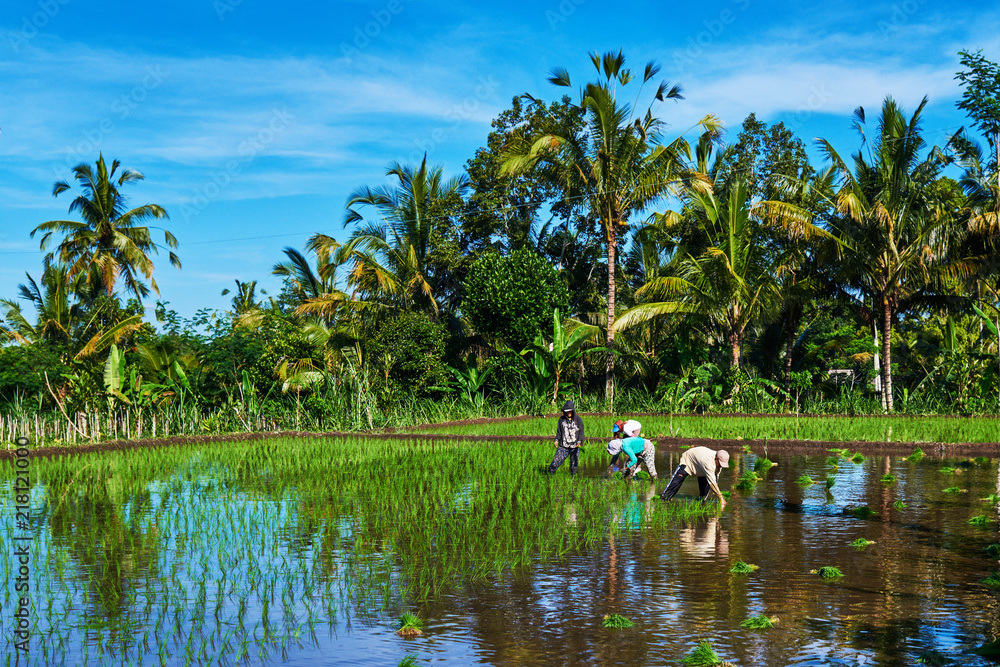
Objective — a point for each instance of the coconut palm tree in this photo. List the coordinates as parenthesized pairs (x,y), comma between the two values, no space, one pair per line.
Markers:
(61,319)
(391,256)
(616,164)
(894,230)
(111,242)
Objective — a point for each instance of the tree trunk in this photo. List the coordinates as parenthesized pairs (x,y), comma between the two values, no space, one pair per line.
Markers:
(734,344)
(886,354)
(789,344)
(609,375)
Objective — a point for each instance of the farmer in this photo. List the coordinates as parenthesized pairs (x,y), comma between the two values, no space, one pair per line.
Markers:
(615,446)
(638,449)
(706,464)
(569,437)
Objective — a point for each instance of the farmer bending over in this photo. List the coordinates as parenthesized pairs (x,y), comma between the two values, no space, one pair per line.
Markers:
(615,446)
(638,449)
(706,464)
(569,437)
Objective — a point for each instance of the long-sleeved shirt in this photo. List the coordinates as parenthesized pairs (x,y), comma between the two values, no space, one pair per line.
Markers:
(631,447)
(569,432)
(700,461)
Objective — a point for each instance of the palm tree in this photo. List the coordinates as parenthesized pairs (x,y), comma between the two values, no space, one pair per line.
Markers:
(616,164)
(894,230)
(110,241)
(392,256)
(60,317)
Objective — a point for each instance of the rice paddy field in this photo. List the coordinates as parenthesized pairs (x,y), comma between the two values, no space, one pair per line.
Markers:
(366,550)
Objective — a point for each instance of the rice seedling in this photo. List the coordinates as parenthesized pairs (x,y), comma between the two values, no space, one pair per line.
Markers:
(861,543)
(702,656)
(916,456)
(993,581)
(858,458)
(833,461)
(409,625)
(830,481)
(932,658)
(616,621)
(862,512)
(761,466)
(805,480)
(992,499)
(947,470)
(888,478)
(740,567)
(410,660)
(980,520)
(993,550)
(759,622)
(954,489)
(747,481)
(899,505)
(980,460)
(828,572)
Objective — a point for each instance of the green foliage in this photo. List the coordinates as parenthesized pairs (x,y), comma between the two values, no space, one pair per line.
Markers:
(548,363)
(409,622)
(862,512)
(739,567)
(616,621)
(829,572)
(916,456)
(888,478)
(980,100)
(410,660)
(993,550)
(932,658)
(993,581)
(947,470)
(23,369)
(761,466)
(980,520)
(861,543)
(408,353)
(746,482)
(510,298)
(805,480)
(858,458)
(952,489)
(758,622)
(899,505)
(988,650)
(830,481)
(702,656)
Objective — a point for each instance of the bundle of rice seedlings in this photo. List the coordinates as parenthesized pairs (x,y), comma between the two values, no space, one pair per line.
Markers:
(409,625)
(759,622)
(899,505)
(888,478)
(916,456)
(862,512)
(982,521)
(828,572)
(805,479)
(861,543)
(702,656)
(742,568)
(616,621)
(858,458)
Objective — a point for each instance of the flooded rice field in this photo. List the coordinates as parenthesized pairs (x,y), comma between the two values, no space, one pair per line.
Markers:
(309,553)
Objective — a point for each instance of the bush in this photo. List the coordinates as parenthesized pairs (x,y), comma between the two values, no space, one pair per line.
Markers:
(407,354)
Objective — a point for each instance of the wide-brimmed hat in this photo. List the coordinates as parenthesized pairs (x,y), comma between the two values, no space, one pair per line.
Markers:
(723,457)
(632,427)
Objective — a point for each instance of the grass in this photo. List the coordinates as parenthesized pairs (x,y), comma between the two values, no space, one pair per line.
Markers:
(861,543)
(702,656)
(828,572)
(739,567)
(830,481)
(992,499)
(949,471)
(858,458)
(409,661)
(953,489)
(761,466)
(899,505)
(916,456)
(747,481)
(759,622)
(980,521)
(805,480)
(888,478)
(616,621)
(932,658)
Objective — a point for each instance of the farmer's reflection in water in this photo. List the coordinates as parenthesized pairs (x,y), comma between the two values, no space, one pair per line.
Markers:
(704,540)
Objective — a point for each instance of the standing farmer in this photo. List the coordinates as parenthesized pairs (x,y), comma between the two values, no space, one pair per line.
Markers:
(706,464)
(569,437)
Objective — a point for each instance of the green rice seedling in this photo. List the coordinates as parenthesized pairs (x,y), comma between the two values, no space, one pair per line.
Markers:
(980,460)
(761,466)
(888,478)
(993,581)
(746,482)
(862,512)
(409,625)
(841,453)
(858,458)
(932,658)
(948,471)
(742,568)
(409,661)
(899,505)
(759,622)
(861,543)
(616,621)
(833,461)
(642,475)
(702,656)
(953,489)
(992,499)
(980,521)
(993,550)
(830,481)
(828,572)
(916,456)
(805,480)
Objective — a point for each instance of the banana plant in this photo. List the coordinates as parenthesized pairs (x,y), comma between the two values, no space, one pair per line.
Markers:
(995,330)
(114,374)
(548,362)
(470,382)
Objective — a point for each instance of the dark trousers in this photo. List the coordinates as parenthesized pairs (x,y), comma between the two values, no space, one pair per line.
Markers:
(562,453)
(674,485)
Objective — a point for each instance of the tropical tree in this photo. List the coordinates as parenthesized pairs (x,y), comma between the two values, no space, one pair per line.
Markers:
(616,164)
(61,320)
(392,256)
(890,219)
(550,361)
(111,242)
(981,99)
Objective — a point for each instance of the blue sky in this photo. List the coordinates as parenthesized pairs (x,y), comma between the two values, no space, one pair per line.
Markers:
(252,121)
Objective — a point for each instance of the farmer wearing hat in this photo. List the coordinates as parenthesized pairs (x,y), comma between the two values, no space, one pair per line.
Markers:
(569,437)
(638,449)
(706,464)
